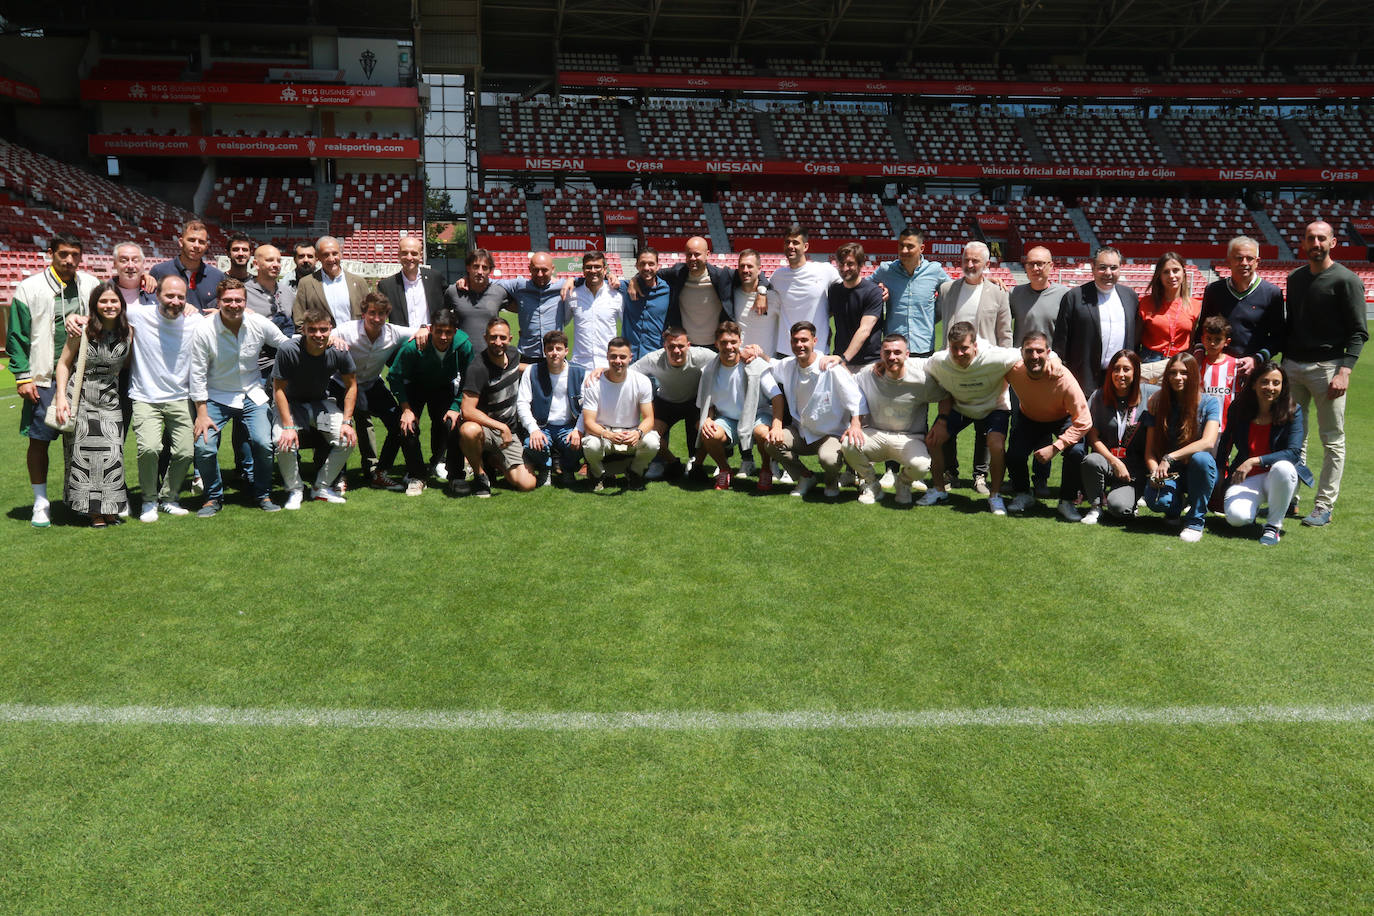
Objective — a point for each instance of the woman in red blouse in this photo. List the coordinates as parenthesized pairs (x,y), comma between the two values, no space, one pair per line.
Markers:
(1168,313)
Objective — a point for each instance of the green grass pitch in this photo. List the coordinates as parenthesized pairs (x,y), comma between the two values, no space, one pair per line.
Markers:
(677,600)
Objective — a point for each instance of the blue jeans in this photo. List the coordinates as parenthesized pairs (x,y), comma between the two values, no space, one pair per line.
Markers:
(557,435)
(1193,488)
(259,424)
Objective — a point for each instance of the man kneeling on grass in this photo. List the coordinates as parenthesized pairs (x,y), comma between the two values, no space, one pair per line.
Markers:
(618,418)
(892,407)
(490,415)
(729,396)
(549,401)
(300,379)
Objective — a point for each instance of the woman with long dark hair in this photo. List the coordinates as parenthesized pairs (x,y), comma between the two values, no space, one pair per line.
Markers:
(1113,472)
(1264,426)
(1178,449)
(95,473)
(1168,314)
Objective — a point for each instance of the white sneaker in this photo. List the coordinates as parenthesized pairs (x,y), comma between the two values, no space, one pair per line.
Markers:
(866,495)
(655,471)
(440,471)
(746,469)
(172,507)
(1023,502)
(902,493)
(804,485)
(414,486)
(149,513)
(1091,516)
(41,518)
(780,475)
(293,500)
(933,497)
(1190,535)
(1069,512)
(328,495)
(197,485)
(832,489)
(998,507)
(124,513)
(888,480)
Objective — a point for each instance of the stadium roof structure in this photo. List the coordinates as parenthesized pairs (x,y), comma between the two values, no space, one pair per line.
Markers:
(519,36)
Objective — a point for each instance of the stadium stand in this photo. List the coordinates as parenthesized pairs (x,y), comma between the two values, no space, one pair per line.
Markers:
(710,66)
(499,211)
(1291,217)
(372,212)
(289,201)
(763,214)
(47,196)
(963,135)
(1098,137)
(573,128)
(1118,220)
(1042,219)
(578,211)
(943,216)
(834,134)
(678,129)
(837,69)
(1342,139)
(1209,137)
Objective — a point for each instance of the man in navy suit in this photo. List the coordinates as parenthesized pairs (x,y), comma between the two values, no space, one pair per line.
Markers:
(1096,320)
(415,292)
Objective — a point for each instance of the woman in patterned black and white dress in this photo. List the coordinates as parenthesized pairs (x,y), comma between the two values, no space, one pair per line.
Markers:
(95,473)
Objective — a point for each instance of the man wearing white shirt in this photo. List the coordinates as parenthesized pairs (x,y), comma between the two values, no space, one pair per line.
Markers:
(892,405)
(595,309)
(1096,320)
(160,388)
(618,418)
(548,400)
(331,288)
(415,292)
(799,291)
(226,384)
(822,405)
(372,342)
(974,373)
(985,306)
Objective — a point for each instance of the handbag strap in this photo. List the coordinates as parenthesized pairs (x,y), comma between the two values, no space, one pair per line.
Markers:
(79,375)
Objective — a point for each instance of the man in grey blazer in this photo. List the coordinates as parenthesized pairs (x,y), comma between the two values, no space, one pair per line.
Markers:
(415,292)
(1096,320)
(331,288)
(985,305)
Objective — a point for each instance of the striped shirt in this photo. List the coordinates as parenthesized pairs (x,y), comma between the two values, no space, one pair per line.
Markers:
(495,387)
(1219,380)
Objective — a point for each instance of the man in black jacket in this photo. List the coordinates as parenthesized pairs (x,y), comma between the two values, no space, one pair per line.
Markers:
(415,292)
(1096,320)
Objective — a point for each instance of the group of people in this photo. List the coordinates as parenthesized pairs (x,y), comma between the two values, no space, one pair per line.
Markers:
(1148,401)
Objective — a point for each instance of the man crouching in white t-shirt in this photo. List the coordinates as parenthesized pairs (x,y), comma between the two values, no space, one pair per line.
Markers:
(618,418)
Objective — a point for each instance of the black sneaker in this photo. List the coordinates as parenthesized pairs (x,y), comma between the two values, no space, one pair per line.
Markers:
(634,481)
(604,481)
(210,509)
(481,486)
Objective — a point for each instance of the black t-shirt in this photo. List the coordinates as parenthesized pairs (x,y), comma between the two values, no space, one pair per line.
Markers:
(494,387)
(848,307)
(308,376)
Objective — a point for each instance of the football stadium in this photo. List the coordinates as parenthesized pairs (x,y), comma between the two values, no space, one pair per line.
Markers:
(557,341)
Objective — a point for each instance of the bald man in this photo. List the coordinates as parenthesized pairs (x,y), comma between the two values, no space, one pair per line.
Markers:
(700,294)
(540,306)
(1326,331)
(415,292)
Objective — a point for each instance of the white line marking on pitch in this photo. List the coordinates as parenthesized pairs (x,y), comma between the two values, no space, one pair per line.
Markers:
(798,720)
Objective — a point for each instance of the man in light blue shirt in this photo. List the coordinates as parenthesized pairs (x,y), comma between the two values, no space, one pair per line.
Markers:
(911,283)
(541,306)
